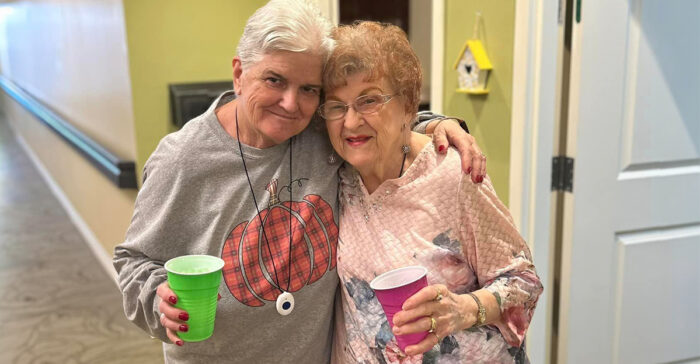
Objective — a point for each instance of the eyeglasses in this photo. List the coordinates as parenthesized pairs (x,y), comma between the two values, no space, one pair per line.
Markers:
(366,104)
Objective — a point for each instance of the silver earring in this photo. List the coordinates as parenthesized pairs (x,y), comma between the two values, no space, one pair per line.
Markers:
(405,149)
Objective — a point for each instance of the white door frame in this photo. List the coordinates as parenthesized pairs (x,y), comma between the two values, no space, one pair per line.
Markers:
(437,54)
(533,121)
(329,8)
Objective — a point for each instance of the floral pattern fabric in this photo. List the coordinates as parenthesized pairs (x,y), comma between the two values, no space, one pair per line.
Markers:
(432,216)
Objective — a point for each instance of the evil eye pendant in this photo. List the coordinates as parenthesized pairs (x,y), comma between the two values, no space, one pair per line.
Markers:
(285,303)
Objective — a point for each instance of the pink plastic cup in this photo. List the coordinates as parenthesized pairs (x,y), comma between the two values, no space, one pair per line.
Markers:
(392,289)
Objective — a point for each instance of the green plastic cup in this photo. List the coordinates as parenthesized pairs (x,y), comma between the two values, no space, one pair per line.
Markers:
(195,280)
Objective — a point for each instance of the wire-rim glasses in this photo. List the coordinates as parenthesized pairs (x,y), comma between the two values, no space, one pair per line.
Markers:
(366,104)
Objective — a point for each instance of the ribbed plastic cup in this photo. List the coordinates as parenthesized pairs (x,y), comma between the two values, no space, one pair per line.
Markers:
(392,289)
(195,280)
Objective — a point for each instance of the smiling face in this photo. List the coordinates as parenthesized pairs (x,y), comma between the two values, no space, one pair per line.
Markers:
(277,96)
(369,142)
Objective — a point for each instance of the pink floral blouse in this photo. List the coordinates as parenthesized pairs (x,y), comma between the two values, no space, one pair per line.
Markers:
(436,217)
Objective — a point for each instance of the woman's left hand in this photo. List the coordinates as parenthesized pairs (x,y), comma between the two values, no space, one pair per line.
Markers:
(450,311)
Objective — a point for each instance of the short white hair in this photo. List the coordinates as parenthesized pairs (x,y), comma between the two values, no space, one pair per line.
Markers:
(285,25)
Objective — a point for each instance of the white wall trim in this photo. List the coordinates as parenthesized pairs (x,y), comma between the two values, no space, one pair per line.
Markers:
(532,144)
(104,259)
(437,56)
(329,8)
(519,113)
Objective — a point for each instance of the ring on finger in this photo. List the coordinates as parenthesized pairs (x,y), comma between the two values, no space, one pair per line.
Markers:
(162,316)
(483,155)
(433,325)
(438,297)
(436,337)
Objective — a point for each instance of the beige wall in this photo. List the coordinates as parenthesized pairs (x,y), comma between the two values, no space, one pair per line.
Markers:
(72,55)
(105,209)
(420,13)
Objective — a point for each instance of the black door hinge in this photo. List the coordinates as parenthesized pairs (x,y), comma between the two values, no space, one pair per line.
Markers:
(562,173)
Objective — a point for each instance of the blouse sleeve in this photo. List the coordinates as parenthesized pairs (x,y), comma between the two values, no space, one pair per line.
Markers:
(499,257)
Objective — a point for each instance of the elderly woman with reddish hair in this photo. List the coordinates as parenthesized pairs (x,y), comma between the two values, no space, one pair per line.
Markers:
(483,286)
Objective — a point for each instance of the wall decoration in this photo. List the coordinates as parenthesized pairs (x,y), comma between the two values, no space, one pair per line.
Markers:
(473,65)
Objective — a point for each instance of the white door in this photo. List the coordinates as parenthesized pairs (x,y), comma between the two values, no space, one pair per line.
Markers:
(631,254)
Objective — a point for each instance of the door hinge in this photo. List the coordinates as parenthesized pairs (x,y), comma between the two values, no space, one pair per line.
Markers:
(578,11)
(562,173)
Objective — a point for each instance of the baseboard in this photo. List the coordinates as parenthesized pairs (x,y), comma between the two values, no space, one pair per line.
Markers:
(104,258)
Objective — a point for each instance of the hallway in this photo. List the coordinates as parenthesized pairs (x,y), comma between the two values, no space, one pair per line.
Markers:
(57,304)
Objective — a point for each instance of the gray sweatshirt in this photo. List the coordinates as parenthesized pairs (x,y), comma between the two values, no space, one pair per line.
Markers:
(195,199)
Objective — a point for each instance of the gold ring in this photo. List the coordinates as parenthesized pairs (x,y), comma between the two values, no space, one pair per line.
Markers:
(438,297)
(436,337)
(433,325)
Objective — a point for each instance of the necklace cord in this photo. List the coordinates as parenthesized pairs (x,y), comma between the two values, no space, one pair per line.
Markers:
(289,263)
(262,227)
(402,163)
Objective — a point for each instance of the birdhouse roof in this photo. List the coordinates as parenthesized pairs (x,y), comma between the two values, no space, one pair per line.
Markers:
(477,49)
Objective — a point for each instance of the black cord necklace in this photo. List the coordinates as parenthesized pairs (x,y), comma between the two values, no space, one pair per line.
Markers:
(285,300)
(402,163)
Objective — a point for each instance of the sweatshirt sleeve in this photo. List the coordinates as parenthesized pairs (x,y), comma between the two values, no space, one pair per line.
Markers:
(500,258)
(423,118)
(149,241)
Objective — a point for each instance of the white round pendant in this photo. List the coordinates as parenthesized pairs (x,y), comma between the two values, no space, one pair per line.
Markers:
(285,303)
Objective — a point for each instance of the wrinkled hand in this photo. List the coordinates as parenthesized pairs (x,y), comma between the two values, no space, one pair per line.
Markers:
(449,132)
(172,318)
(450,314)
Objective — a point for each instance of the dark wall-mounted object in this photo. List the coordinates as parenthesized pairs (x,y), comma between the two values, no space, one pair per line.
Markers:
(189,100)
(385,11)
(117,170)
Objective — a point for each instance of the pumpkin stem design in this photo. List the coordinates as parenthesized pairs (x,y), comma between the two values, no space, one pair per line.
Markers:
(298,182)
(272,190)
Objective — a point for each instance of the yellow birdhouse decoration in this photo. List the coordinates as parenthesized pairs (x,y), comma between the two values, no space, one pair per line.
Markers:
(473,67)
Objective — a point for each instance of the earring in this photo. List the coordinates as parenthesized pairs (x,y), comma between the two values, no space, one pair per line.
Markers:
(405,149)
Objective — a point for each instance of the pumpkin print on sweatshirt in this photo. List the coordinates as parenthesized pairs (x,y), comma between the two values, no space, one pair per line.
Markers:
(253,275)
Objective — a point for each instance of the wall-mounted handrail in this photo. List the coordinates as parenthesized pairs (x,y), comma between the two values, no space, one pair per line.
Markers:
(117,170)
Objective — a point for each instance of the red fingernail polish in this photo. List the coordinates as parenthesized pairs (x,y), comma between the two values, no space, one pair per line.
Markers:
(179,343)
(184,316)
(480,179)
(172,299)
(183,328)
(218,296)
(441,148)
(469,170)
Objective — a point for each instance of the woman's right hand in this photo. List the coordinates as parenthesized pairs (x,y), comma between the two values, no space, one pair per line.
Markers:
(172,318)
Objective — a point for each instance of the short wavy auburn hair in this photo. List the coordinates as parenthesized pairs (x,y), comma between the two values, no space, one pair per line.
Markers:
(379,50)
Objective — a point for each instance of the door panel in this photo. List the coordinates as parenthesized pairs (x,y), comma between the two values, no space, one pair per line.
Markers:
(663,84)
(631,283)
(652,307)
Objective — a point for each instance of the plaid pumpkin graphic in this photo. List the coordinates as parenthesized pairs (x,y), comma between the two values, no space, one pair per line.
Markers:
(249,271)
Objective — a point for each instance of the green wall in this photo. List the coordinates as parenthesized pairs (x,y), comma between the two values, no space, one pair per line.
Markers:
(172,41)
(488,116)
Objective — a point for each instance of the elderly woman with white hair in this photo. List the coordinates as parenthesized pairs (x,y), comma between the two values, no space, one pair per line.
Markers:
(251,182)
